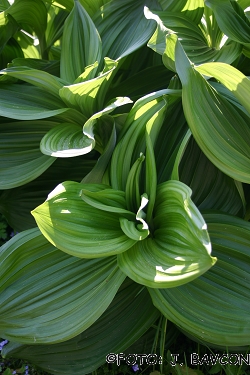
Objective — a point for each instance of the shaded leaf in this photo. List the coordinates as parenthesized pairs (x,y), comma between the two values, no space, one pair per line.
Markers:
(223,291)
(61,295)
(21,159)
(8,27)
(129,315)
(28,103)
(123,27)
(16,203)
(31,12)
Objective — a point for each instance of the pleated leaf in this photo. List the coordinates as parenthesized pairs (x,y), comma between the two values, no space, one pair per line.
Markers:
(65,140)
(88,96)
(8,27)
(129,315)
(211,189)
(215,307)
(190,9)
(147,111)
(231,20)
(61,295)
(231,78)
(123,27)
(81,229)
(196,43)
(20,158)
(81,43)
(37,78)
(22,102)
(220,130)
(179,249)
(17,203)
(30,12)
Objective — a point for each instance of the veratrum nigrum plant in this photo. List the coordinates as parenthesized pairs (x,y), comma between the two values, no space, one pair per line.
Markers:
(125,165)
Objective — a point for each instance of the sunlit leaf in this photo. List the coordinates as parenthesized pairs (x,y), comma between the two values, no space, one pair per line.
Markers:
(176,252)
(64,141)
(81,229)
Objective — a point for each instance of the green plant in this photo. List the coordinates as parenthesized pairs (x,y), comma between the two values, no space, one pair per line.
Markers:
(119,136)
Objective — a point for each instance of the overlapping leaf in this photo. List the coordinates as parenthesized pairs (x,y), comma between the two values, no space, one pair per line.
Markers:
(211,189)
(215,306)
(219,129)
(8,27)
(28,103)
(176,252)
(21,159)
(89,96)
(84,353)
(82,229)
(61,295)
(17,203)
(123,27)
(196,43)
(81,45)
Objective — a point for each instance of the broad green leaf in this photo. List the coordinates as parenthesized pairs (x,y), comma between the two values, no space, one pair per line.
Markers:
(190,9)
(26,42)
(17,203)
(215,306)
(92,7)
(23,102)
(219,129)
(129,315)
(169,140)
(179,248)
(95,176)
(37,78)
(211,188)
(55,22)
(21,159)
(231,78)
(81,44)
(90,127)
(11,51)
(51,67)
(8,27)
(4,4)
(31,12)
(231,20)
(88,96)
(123,27)
(61,295)
(147,111)
(144,82)
(195,41)
(78,228)
(65,141)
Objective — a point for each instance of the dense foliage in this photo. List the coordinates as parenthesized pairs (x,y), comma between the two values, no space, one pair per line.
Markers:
(125,168)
